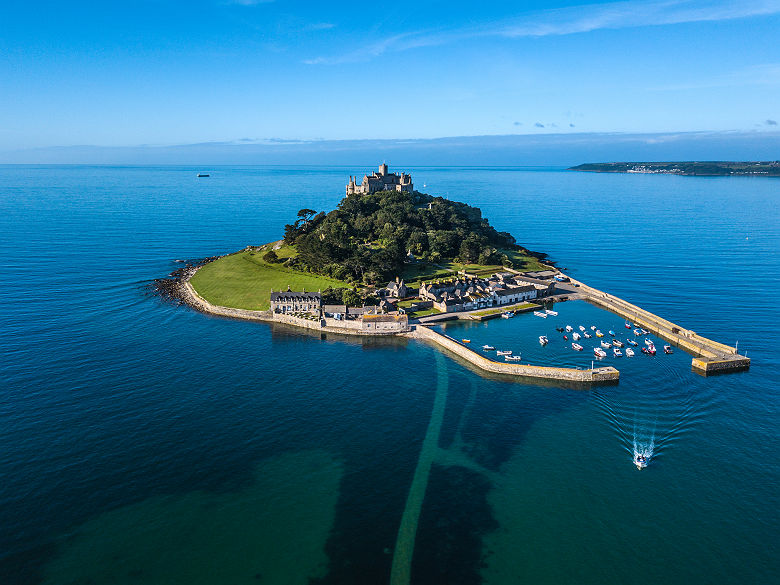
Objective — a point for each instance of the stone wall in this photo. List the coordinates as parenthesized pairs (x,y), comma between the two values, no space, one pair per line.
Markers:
(606,374)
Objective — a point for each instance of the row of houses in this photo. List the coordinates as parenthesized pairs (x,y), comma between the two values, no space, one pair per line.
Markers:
(471,293)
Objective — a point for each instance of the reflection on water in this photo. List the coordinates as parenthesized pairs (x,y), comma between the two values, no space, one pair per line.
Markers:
(272,531)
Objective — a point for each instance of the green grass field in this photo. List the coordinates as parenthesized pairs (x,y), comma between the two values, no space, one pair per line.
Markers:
(414,274)
(244,281)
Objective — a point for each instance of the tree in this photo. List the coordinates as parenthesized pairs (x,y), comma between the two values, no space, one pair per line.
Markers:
(305,216)
(271,257)
(351,298)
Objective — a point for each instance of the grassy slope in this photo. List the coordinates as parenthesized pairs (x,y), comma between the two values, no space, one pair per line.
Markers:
(244,281)
(414,274)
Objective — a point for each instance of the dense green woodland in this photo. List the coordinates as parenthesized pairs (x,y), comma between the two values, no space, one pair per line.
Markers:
(368,237)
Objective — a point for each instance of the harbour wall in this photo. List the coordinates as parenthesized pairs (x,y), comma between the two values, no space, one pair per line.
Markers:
(709,356)
(593,376)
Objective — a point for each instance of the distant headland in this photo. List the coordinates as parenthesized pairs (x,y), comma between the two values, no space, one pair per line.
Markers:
(692,168)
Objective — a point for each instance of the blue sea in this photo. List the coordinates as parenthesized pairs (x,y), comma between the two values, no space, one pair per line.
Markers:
(142,442)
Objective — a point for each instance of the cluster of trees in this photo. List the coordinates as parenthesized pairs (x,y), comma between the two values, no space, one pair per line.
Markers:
(367,237)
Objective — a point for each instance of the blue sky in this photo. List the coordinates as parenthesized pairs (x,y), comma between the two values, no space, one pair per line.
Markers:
(160,73)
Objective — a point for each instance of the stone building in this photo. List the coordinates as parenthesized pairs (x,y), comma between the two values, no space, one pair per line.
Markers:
(295,302)
(380,181)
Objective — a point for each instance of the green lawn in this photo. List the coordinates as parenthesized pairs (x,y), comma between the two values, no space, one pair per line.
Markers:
(424,313)
(415,274)
(244,281)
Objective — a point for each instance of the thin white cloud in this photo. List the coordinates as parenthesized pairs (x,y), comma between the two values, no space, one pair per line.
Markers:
(566,21)
(765,74)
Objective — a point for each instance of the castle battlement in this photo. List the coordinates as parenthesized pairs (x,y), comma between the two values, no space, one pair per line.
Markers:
(381,181)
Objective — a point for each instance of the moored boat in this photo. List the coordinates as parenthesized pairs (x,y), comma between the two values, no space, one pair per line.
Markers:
(668,349)
(628,325)
(606,345)
(569,328)
(507,315)
(648,341)
(543,340)
(632,342)
(637,332)
(540,314)
(629,352)
(587,335)
(599,353)
(576,346)
(488,348)
(617,343)
(559,329)
(466,340)
(513,358)
(592,327)
(612,333)
(599,333)
(616,352)
(644,331)
(581,328)
(507,352)
(575,336)
(551,312)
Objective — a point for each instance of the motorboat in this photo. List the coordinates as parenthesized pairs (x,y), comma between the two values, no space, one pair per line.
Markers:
(599,353)
(629,352)
(488,348)
(644,331)
(541,314)
(637,332)
(599,333)
(543,340)
(668,349)
(513,358)
(566,337)
(632,342)
(628,325)
(606,345)
(617,343)
(648,341)
(592,327)
(612,333)
(559,329)
(616,352)
(587,335)
(551,312)
(569,328)
(201,175)
(507,352)
(576,346)
(576,336)
(466,340)
(640,461)
(581,328)
(507,315)
(650,350)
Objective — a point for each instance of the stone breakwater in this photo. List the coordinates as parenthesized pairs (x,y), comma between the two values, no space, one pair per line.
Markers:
(709,356)
(603,375)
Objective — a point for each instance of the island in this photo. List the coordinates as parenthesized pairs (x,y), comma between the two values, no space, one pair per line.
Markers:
(390,261)
(692,168)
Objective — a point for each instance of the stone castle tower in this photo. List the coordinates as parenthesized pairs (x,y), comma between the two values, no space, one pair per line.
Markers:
(381,181)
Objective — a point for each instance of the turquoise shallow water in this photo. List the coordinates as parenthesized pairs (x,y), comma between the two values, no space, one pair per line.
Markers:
(145,443)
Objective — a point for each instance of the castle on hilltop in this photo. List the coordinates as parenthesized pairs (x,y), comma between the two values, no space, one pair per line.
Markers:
(381,181)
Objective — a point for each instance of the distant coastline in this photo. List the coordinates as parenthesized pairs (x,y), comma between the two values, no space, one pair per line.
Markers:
(689,168)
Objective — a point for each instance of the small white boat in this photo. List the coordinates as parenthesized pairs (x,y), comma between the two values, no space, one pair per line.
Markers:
(648,342)
(640,461)
(576,346)
(668,349)
(543,340)
(550,312)
(488,348)
(576,336)
(644,331)
(637,332)
(587,335)
(507,315)
(606,345)
(599,353)
(507,352)
(581,328)
(616,352)
(632,342)
(569,328)
(592,327)
(617,343)
(513,358)
(629,352)
(540,314)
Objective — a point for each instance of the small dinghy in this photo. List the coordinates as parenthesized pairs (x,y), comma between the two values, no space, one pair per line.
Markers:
(632,342)
(599,353)
(637,332)
(551,312)
(507,352)
(599,333)
(612,333)
(569,328)
(587,335)
(540,314)
(576,336)
(606,345)
(466,340)
(617,343)
(668,349)
(488,348)
(581,328)
(628,325)
(507,315)
(616,352)
(629,352)
(576,347)
(543,340)
(513,358)
(559,329)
